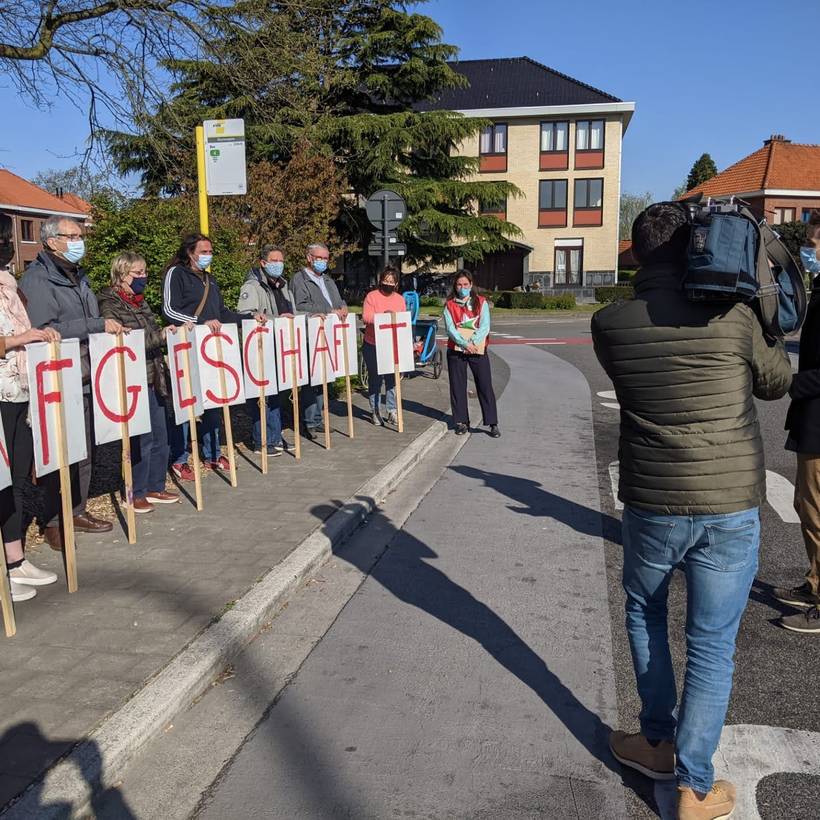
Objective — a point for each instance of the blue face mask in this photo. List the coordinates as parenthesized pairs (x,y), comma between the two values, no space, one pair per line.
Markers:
(204,260)
(808,256)
(320,265)
(138,285)
(274,269)
(464,292)
(75,251)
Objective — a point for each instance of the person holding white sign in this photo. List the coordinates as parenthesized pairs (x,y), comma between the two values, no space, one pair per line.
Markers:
(59,296)
(124,301)
(383,299)
(190,294)
(467,319)
(315,293)
(16,450)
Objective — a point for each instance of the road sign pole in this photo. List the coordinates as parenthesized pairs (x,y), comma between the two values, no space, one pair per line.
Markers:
(201,181)
(385,237)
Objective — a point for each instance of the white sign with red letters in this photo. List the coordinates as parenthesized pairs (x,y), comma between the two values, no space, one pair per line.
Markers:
(336,334)
(291,351)
(56,386)
(109,414)
(394,342)
(322,360)
(260,366)
(184,367)
(220,365)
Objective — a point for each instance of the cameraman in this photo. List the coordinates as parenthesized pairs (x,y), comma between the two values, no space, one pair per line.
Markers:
(692,479)
(803,424)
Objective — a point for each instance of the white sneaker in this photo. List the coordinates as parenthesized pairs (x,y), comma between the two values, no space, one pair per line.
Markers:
(32,576)
(21,593)
(392,417)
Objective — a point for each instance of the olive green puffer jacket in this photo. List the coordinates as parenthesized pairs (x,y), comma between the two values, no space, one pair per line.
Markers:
(685,374)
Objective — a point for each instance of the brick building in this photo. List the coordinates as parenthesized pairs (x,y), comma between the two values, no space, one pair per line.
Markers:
(559,141)
(28,205)
(780,181)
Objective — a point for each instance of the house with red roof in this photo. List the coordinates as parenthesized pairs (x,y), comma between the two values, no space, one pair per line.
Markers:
(29,205)
(781,181)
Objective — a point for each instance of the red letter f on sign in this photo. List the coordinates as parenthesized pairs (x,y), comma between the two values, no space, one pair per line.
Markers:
(44,398)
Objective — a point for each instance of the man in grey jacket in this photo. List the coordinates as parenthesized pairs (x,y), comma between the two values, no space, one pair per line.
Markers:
(315,293)
(265,290)
(692,479)
(59,296)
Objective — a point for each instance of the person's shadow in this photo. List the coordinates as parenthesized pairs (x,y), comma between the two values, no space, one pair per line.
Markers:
(25,749)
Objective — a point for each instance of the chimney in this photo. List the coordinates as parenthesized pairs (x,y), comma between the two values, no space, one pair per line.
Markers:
(775,138)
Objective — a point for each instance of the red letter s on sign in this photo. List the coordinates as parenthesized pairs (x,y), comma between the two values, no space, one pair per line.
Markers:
(217,363)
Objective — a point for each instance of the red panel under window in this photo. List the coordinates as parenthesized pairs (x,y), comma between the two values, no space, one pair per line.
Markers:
(552,219)
(493,162)
(591,217)
(554,161)
(589,159)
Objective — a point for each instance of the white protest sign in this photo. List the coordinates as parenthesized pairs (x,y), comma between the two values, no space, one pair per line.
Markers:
(260,367)
(394,342)
(5,463)
(220,365)
(49,398)
(336,332)
(109,415)
(184,366)
(322,360)
(291,352)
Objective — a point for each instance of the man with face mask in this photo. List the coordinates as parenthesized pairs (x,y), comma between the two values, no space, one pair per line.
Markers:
(266,291)
(60,297)
(315,293)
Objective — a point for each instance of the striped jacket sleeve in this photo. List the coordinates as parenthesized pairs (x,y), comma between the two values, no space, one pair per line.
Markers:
(171,297)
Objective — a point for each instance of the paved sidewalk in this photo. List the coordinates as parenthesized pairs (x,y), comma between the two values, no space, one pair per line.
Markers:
(76,659)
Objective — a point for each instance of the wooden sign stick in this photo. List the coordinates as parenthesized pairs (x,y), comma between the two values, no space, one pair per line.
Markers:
(226,416)
(348,389)
(194,435)
(297,441)
(65,475)
(6,605)
(263,415)
(397,376)
(127,474)
(325,410)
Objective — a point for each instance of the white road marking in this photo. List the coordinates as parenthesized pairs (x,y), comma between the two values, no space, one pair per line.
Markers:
(745,756)
(780,495)
(611,405)
(608,394)
(614,479)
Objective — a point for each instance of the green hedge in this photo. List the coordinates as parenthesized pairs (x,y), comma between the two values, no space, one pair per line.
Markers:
(521,300)
(431,301)
(564,302)
(614,293)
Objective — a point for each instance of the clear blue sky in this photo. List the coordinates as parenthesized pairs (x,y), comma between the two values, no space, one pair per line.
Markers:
(706,76)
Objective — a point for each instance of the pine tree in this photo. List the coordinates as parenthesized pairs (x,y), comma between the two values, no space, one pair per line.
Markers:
(703,169)
(341,76)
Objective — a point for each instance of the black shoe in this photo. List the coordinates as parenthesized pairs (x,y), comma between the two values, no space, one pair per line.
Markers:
(309,433)
(808,621)
(319,429)
(801,596)
(494,431)
(462,429)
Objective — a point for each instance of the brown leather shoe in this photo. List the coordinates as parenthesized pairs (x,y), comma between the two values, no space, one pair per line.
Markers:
(88,523)
(635,751)
(164,497)
(142,506)
(54,538)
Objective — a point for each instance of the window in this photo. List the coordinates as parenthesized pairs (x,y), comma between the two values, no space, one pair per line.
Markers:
(498,209)
(568,265)
(554,136)
(494,139)
(27,230)
(782,215)
(589,202)
(806,215)
(552,195)
(589,135)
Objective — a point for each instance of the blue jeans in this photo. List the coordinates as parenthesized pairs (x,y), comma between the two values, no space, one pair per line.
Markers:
(313,405)
(208,437)
(374,381)
(718,554)
(151,450)
(273,420)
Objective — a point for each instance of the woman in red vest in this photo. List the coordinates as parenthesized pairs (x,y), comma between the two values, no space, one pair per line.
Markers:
(467,319)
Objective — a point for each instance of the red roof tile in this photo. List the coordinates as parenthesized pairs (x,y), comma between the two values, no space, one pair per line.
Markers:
(779,165)
(20,193)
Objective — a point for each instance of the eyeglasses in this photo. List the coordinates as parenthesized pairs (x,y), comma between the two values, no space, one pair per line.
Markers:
(70,235)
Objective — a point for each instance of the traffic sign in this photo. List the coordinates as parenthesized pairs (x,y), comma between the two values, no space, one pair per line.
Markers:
(377,249)
(225,170)
(386,206)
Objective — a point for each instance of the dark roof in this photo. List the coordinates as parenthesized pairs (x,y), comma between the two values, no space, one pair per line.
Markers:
(512,82)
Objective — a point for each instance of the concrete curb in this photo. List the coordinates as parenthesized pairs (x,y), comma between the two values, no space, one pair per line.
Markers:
(102,757)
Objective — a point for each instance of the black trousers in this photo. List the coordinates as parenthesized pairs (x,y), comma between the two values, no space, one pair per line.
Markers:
(457,364)
(20,450)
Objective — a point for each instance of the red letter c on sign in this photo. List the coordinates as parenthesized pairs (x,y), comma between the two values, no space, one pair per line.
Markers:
(248,369)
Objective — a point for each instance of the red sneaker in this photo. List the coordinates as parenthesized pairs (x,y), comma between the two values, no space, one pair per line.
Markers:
(183,472)
(221,464)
